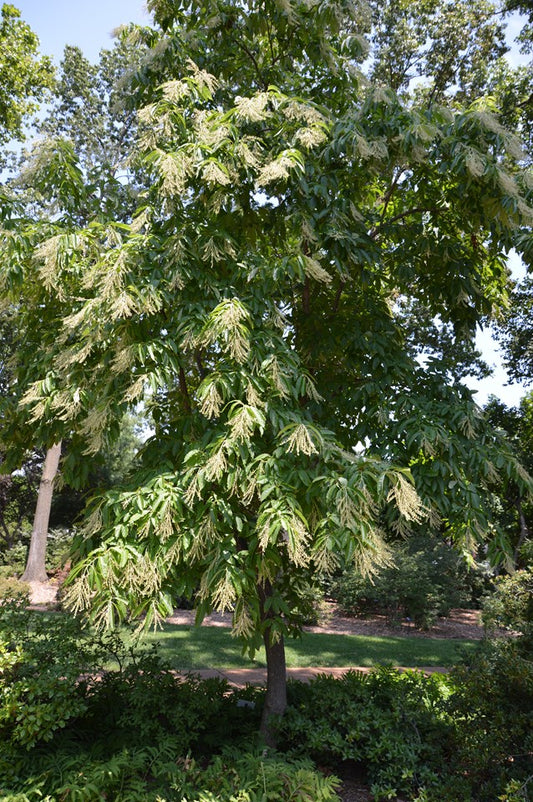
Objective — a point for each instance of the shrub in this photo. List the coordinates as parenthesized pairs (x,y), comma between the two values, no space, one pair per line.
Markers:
(463,736)
(393,725)
(510,606)
(14,558)
(59,542)
(39,691)
(58,548)
(426,580)
(11,588)
(492,708)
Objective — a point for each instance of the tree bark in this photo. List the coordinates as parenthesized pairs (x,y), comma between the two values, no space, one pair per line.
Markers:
(524,531)
(36,565)
(276,693)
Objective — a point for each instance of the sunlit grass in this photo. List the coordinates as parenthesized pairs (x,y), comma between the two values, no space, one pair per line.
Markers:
(187,647)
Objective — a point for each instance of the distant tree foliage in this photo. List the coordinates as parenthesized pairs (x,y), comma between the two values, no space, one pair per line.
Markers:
(25,75)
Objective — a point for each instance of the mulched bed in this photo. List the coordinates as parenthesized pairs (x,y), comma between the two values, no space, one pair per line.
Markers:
(459,624)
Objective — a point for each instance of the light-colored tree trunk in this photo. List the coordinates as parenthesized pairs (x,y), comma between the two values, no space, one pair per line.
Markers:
(36,565)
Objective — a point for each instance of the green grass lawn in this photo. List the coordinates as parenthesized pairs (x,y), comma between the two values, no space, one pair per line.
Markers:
(186,648)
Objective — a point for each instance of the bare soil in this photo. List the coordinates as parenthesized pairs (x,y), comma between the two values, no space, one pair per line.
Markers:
(459,624)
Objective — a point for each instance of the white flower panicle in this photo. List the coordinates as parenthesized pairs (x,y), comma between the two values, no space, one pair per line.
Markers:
(248,491)
(209,132)
(174,169)
(278,377)
(296,110)
(211,401)
(376,149)
(124,358)
(406,498)
(310,137)
(507,183)
(311,390)
(74,321)
(93,427)
(222,596)
(325,560)
(193,491)
(202,78)
(475,163)
(124,305)
(246,151)
(252,396)
(174,91)
(166,527)
(78,595)
(215,173)
(243,625)
(308,232)
(274,171)
(242,425)
(204,535)
(48,254)
(217,250)
(136,390)
(216,465)
(313,269)
(373,554)
(227,326)
(78,354)
(252,109)
(297,540)
(299,441)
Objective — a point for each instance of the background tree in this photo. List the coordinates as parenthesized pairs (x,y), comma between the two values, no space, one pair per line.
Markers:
(434,51)
(25,75)
(513,508)
(85,109)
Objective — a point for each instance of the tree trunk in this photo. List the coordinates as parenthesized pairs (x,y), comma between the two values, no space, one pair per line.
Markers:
(524,531)
(276,694)
(36,565)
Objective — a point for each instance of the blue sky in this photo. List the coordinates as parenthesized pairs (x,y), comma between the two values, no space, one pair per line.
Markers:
(90,25)
(78,22)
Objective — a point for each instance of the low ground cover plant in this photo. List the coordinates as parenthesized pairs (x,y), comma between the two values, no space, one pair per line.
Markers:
(86,717)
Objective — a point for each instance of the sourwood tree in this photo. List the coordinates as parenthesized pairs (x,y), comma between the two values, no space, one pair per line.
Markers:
(290,204)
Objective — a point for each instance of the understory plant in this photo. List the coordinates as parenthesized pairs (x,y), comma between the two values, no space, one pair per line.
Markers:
(425,579)
(85,717)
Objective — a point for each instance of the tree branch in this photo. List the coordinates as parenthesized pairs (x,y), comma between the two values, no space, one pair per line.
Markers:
(374,233)
(185,391)
(254,62)
(338,294)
